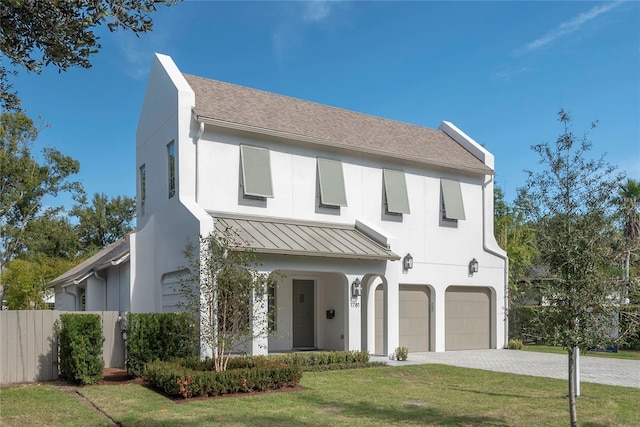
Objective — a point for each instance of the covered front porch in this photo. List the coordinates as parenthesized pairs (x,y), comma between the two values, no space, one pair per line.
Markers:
(322,274)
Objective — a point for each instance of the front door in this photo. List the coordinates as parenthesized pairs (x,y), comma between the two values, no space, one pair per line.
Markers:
(303,314)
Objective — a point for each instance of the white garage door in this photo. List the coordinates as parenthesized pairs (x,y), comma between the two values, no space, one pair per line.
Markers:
(414,318)
(467,318)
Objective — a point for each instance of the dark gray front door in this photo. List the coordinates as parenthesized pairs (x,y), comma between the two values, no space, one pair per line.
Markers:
(303,314)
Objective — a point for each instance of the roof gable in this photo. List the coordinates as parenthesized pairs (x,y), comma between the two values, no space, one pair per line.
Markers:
(236,106)
(111,255)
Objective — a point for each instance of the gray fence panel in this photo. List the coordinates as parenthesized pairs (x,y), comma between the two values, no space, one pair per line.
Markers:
(28,349)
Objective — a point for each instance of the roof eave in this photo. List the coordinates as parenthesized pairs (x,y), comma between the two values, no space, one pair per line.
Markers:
(288,135)
(390,257)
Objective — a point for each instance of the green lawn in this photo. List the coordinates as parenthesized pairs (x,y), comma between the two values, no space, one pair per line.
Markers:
(44,405)
(429,395)
(621,354)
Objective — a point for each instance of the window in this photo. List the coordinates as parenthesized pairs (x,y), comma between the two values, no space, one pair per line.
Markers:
(331,182)
(395,188)
(452,206)
(171,158)
(256,172)
(143,187)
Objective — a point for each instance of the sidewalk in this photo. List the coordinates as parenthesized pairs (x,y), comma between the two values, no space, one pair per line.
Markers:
(600,370)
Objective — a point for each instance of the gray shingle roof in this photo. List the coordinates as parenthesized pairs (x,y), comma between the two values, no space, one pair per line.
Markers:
(298,119)
(112,253)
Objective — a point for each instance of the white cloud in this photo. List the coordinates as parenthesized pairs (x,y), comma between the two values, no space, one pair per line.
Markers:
(316,10)
(299,17)
(568,27)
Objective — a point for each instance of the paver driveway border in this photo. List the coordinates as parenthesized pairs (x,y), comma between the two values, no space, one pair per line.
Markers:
(599,370)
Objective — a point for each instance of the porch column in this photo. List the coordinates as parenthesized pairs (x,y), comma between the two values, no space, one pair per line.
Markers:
(370,300)
(259,325)
(353,327)
(392,310)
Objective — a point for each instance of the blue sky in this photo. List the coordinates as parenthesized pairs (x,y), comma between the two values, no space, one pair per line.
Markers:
(500,71)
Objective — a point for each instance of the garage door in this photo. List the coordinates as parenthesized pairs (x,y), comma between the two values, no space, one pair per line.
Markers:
(467,318)
(414,318)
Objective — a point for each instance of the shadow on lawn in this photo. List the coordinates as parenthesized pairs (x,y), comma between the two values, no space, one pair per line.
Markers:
(339,413)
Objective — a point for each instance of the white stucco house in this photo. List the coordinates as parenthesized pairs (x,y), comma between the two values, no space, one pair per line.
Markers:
(327,198)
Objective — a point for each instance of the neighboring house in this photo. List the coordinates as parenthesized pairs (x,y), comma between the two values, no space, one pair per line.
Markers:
(102,282)
(327,198)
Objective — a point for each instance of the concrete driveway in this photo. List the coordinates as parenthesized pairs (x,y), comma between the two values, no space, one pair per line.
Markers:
(600,370)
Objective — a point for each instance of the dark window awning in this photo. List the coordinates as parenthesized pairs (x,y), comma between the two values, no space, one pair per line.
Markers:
(290,237)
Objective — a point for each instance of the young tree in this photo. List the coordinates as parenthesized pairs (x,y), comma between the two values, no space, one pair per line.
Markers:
(34,33)
(568,203)
(25,181)
(227,293)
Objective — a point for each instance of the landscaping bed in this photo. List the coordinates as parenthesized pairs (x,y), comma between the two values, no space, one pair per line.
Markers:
(191,377)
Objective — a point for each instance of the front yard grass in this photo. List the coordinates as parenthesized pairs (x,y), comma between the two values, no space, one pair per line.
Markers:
(621,354)
(426,395)
(46,405)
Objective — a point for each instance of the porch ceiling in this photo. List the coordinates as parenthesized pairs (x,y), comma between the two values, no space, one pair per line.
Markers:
(290,237)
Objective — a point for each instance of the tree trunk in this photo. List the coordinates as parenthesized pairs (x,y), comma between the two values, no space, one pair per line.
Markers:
(572,387)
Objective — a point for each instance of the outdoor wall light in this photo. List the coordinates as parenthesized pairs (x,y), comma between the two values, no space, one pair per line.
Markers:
(407,262)
(473,266)
(356,288)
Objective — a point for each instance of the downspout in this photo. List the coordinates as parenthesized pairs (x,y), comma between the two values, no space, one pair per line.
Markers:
(197,139)
(504,257)
(75,297)
(104,281)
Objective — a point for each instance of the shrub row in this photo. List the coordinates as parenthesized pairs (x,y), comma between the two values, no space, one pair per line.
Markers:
(326,360)
(80,347)
(159,336)
(176,379)
(311,361)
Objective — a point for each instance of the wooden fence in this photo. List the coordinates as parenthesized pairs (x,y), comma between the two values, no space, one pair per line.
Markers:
(28,347)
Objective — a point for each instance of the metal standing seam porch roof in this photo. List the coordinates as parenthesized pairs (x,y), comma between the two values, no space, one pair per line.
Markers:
(290,237)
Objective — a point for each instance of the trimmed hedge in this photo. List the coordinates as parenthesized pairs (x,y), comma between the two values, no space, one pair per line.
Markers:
(159,336)
(80,340)
(308,361)
(325,360)
(176,379)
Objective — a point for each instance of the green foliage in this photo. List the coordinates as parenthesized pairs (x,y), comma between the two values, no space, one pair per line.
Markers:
(80,347)
(104,220)
(315,361)
(25,181)
(51,235)
(402,353)
(174,379)
(629,318)
(516,237)
(61,33)
(514,344)
(569,205)
(25,280)
(159,336)
(224,290)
